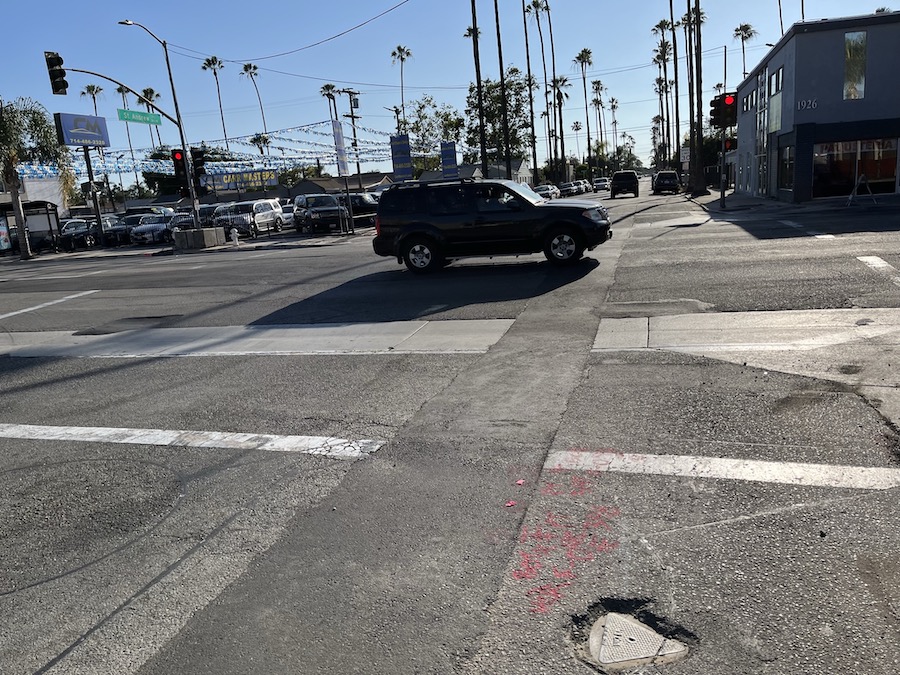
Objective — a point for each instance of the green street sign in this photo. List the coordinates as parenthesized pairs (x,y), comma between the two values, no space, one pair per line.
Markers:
(137,116)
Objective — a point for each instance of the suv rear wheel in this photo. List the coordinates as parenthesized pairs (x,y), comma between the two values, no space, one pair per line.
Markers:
(421,255)
(562,247)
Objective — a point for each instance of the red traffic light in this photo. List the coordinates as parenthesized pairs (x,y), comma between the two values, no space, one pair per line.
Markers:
(729,99)
(177,155)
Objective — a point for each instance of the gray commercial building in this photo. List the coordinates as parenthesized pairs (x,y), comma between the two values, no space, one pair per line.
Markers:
(820,115)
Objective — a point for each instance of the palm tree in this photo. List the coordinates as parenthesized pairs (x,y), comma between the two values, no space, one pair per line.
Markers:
(92,91)
(214,65)
(123,91)
(149,96)
(401,54)
(328,91)
(614,106)
(662,53)
(743,33)
(27,135)
(672,27)
(584,59)
(530,81)
(251,71)
(504,112)
(562,143)
(536,8)
(261,141)
(560,84)
(576,127)
(473,33)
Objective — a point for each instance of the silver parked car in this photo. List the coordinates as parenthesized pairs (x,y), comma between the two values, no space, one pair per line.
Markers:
(249,218)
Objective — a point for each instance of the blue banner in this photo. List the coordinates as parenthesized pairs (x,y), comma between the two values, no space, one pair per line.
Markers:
(400,157)
(449,167)
(81,130)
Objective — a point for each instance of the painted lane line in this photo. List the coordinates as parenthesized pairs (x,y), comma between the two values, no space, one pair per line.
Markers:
(814,233)
(881,266)
(687,466)
(47,304)
(327,446)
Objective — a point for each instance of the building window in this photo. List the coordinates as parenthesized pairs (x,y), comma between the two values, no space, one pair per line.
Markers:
(776,81)
(786,168)
(854,65)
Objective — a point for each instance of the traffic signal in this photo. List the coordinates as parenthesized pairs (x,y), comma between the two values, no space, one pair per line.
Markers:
(729,110)
(57,73)
(198,161)
(715,112)
(180,167)
(730,144)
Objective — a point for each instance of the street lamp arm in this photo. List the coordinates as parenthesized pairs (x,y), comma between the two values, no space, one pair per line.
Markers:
(129,22)
(125,86)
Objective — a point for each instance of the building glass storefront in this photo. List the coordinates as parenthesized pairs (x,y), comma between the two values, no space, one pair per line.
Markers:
(871,165)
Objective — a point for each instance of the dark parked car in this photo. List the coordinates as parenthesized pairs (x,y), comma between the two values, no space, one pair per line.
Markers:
(363,204)
(666,181)
(427,224)
(623,181)
(319,213)
(78,233)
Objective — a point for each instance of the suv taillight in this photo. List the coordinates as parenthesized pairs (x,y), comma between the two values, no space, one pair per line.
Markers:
(377,225)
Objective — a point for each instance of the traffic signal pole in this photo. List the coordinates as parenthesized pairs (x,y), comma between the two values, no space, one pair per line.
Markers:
(722,180)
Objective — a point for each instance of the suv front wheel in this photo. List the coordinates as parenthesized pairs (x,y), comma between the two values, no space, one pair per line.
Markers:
(562,247)
(421,255)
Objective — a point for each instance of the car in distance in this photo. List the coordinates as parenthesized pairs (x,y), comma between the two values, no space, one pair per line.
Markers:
(425,225)
(249,217)
(585,185)
(601,184)
(363,206)
(666,181)
(319,213)
(623,181)
(158,228)
(78,233)
(568,189)
(544,191)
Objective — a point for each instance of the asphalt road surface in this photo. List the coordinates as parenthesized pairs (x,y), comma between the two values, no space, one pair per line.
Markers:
(294,456)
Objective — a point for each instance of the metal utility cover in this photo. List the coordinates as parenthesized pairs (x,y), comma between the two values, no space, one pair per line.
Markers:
(621,641)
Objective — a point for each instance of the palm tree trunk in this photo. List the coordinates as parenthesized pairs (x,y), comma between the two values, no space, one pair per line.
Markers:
(587,123)
(689,69)
(677,93)
(221,110)
(551,154)
(699,178)
(504,113)
(530,80)
(561,130)
(482,134)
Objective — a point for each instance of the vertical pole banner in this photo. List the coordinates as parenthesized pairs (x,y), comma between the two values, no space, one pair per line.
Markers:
(339,148)
(400,157)
(449,167)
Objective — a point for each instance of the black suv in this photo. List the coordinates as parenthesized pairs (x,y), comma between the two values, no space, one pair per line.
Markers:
(428,224)
(666,181)
(623,181)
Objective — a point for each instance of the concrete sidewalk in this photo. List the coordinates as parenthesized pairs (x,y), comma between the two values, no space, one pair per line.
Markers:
(735,201)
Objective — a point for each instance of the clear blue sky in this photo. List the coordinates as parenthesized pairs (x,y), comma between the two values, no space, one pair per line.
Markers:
(281,39)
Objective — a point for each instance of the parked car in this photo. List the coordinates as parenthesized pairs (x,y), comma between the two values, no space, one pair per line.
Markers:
(601,184)
(666,181)
(585,186)
(568,189)
(623,181)
(363,204)
(114,231)
(427,224)
(544,191)
(250,217)
(157,228)
(78,233)
(287,214)
(319,213)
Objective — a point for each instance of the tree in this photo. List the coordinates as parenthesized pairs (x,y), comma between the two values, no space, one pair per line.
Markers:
(429,124)
(214,65)
(473,33)
(251,71)
(536,8)
(519,128)
(261,141)
(576,127)
(328,91)
(401,54)
(27,135)
(677,106)
(560,84)
(92,91)
(149,96)
(613,107)
(743,33)
(584,60)
(530,80)
(664,52)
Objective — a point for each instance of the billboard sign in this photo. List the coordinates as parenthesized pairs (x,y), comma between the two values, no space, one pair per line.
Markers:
(400,157)
(449,167)
(81,130)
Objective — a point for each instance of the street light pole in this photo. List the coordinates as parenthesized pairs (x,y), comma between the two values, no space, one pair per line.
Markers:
(195,206)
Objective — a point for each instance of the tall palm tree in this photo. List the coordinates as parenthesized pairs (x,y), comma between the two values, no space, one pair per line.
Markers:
(401,54)
(328,91)
(576,127)
(614,106)
(251,71)
(504,114)
(261,141)
(123,91)
(92,91)
(530,81)
(560,84)
(562,142)
(663,52)
(474,34)
(536,8)
(584,59)
(743,33)
(674,34)
(149,96)
(214,65)
(697,162)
